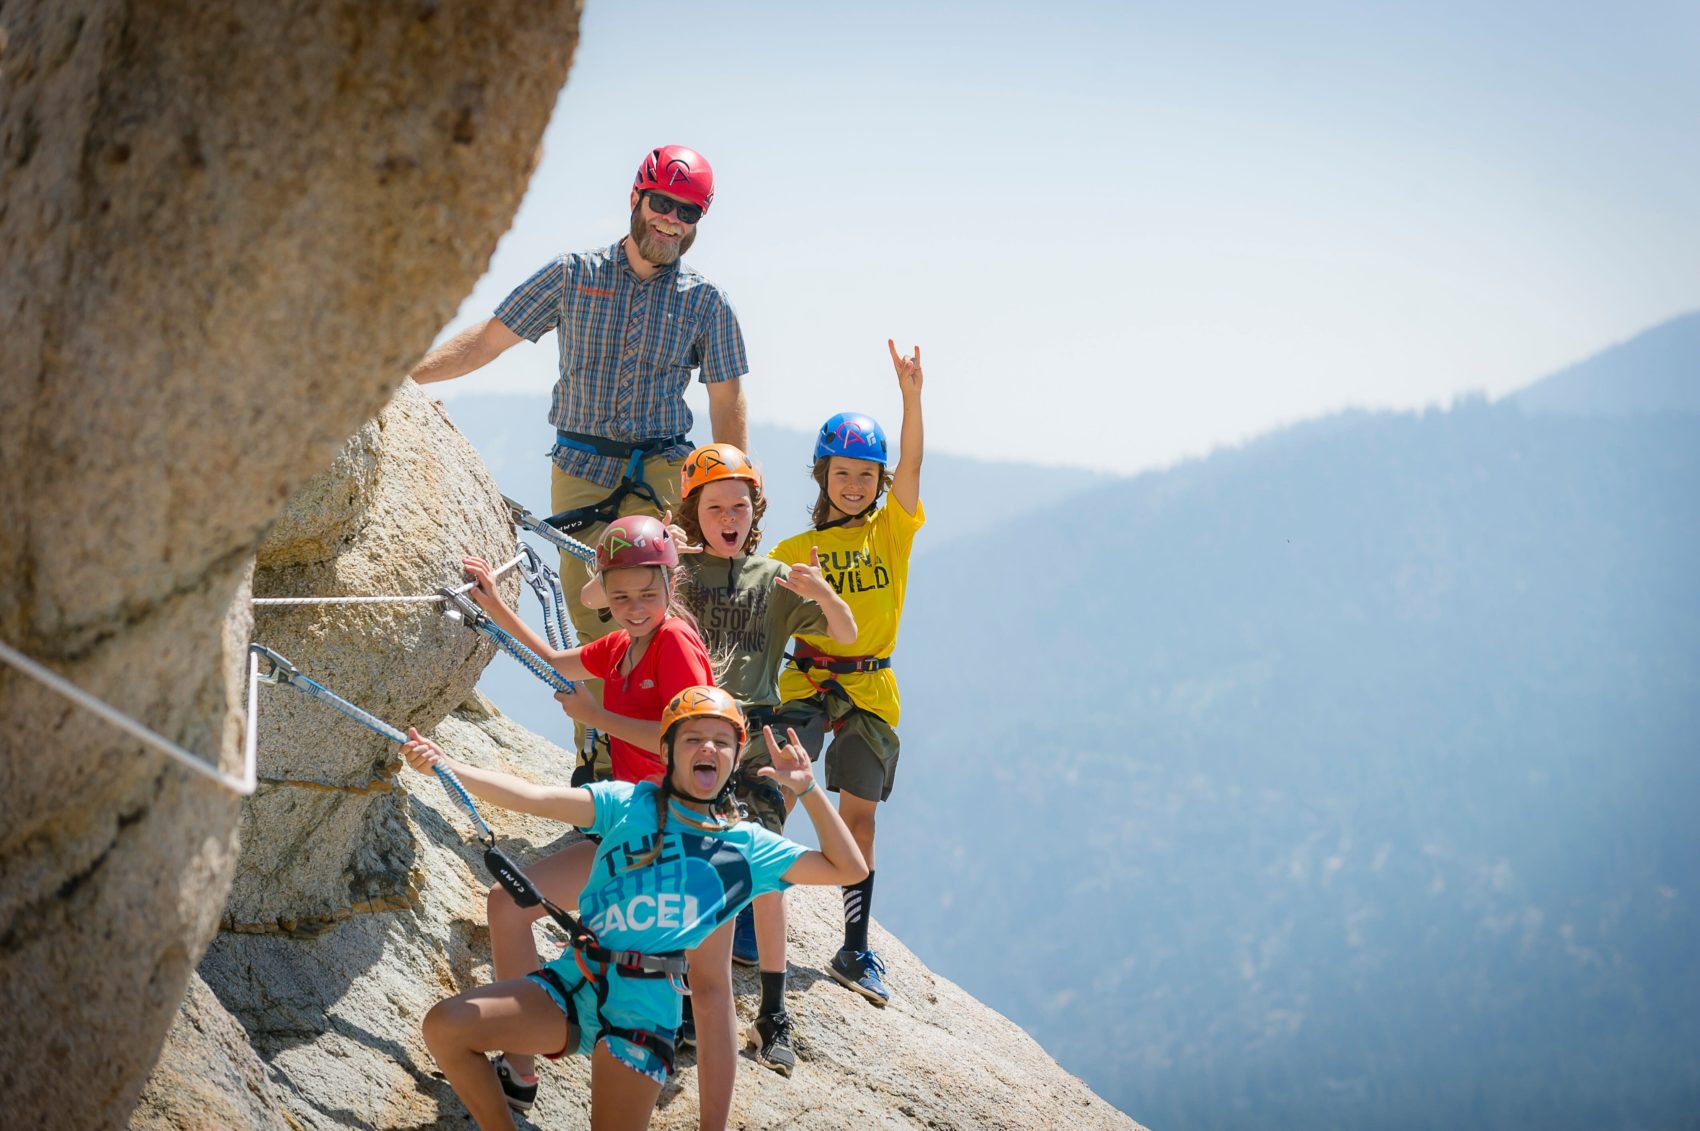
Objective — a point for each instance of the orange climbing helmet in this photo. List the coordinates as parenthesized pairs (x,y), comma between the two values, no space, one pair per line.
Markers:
(636,540)
(716,461)
(702,702)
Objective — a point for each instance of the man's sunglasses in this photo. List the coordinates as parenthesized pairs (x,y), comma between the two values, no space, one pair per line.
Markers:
(667,206)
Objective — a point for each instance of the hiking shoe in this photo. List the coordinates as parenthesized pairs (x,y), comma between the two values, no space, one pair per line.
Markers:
(770,1036)
(520,1095)
(861,970)
(744,949)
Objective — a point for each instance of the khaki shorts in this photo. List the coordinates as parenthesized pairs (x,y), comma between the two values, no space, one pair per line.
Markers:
(568,492)
(862,758)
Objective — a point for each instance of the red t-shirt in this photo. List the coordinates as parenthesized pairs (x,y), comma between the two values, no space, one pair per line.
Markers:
(674,660)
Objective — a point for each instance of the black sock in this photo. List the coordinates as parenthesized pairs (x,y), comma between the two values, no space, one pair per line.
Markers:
(858,899)
(772,993)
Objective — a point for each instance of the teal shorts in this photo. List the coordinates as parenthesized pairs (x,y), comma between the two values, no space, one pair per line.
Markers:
(575,994)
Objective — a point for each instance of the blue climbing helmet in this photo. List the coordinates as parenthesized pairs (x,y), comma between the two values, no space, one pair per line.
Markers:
(852,435)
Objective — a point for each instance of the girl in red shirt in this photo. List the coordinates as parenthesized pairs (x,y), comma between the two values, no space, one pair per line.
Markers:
(654,654)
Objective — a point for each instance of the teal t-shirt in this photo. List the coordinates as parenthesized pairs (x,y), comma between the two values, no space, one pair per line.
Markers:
(699,881)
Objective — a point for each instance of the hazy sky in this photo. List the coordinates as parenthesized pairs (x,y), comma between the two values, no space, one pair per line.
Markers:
(1126,232)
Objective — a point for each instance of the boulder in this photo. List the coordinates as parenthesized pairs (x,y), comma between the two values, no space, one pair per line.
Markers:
(324,834)
(224,237)
(209,1078)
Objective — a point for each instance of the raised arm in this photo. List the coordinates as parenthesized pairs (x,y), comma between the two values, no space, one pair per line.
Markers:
(557,802)
(726,413)
(806,580)
(839,861)
(473,348)
(906,480)
(564,660)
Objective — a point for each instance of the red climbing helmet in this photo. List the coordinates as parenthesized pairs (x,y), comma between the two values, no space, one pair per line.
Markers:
(677,171)
(635,540)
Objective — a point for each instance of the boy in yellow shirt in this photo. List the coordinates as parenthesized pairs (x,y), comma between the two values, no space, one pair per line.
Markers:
(851,689)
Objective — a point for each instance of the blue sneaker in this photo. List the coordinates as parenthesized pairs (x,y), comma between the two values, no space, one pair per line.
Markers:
(860,970)
(744,949)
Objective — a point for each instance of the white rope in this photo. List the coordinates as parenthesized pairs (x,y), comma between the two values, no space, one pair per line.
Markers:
(269,602)
(242,788)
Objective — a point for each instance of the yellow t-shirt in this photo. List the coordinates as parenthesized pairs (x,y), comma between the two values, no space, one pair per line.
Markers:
(869,567)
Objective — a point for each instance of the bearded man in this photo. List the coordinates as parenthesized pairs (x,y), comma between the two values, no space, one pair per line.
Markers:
(631,321)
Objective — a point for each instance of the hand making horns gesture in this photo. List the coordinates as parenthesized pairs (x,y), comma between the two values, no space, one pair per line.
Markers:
(791,767)
(908,368)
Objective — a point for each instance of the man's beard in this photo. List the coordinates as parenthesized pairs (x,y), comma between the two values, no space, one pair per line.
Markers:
(653,250)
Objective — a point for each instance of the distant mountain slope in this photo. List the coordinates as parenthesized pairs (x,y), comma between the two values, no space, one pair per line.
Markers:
(513,434)
(1344,779)
(1654,371)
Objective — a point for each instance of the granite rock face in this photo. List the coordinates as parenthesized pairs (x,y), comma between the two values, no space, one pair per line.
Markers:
(209,1078)
(224,237)
(324,834)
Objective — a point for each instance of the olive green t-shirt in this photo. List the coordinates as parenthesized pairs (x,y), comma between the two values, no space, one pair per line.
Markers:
(747,619)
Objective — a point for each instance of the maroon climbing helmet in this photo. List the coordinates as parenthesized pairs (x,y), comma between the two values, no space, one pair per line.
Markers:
(635,540)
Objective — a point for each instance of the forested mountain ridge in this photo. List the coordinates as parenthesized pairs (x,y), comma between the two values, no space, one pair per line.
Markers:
(1344,778)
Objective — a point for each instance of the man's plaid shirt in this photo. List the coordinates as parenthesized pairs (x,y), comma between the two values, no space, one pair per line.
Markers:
(627,349)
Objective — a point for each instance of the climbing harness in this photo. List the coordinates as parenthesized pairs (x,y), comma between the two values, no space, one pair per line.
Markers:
(658,1043)
(514,881)
(242,787)
(631,483)
(525,520)
(806,658)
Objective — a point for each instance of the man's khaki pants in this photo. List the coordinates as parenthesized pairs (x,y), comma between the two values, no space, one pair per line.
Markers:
(567,492)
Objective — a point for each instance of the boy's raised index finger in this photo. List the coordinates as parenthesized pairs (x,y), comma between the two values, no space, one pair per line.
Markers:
(891,344)
(772,746)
